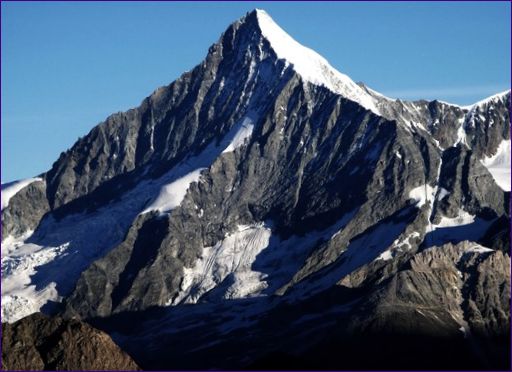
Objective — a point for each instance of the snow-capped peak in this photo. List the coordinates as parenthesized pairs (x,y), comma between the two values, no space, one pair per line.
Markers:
(310,65)
(485,101)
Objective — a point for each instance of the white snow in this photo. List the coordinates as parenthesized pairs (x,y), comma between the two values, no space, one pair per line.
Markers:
(499,165)
(385,256)
(463,218)
(44,266)
(478,249)
(399,244)
(19,260)
(233,256)
(12,188)
(422,194)
(310,65)
(463,330)
(244,132)
(172,194)
(442,193)
(493,98)
(461,133)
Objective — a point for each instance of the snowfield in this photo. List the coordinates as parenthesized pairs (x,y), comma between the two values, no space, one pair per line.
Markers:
(499,165)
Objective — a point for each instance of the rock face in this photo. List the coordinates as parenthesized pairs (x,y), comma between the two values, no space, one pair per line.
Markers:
(432,303)
(41,343)
(265,186)
(444,285)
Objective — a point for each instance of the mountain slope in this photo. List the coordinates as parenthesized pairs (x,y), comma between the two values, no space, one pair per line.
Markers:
(262,180)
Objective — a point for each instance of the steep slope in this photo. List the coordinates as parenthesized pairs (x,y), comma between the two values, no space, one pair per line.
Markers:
(259,182)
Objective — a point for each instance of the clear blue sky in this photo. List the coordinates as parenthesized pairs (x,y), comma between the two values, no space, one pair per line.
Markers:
(67,66)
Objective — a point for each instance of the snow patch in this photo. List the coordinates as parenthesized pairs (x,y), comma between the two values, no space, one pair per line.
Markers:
(172,194)
(360,251)
(442,193)
(463,330)
(385,256)
(461,134)
(244,132)
(463,218)
(478,249)
(251,262)
(464,226)
(233,256)
(499,165)
(12,188)
(422,194)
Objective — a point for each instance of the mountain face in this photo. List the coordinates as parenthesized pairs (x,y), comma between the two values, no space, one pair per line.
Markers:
(265,211)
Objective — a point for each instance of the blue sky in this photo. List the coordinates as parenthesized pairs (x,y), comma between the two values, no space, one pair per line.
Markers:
(67,66)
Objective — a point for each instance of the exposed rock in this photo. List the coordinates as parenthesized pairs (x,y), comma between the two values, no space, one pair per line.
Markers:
(41,343)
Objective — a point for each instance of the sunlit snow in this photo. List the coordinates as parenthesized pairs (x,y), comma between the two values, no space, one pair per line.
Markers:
(422,194)
(244,132)
(499,165)
(310,65)
(233,256)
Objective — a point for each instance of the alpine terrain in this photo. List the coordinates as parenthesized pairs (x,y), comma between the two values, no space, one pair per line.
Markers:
(263,211)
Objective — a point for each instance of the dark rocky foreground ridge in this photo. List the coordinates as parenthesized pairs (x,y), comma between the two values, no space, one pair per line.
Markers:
(37,342)
(249,215)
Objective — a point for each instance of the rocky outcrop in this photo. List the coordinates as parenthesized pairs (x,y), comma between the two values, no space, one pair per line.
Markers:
(441,290)
(41,343)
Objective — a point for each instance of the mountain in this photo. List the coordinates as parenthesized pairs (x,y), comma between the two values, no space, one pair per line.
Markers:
(265,211)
